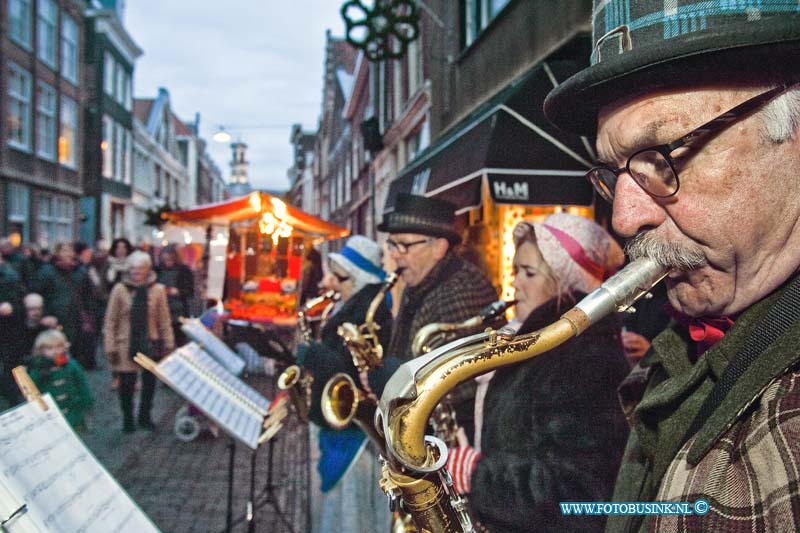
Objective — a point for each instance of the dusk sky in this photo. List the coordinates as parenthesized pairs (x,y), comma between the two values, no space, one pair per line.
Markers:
(255,67)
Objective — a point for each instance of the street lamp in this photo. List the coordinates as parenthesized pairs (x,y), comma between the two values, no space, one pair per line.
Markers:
(223,135)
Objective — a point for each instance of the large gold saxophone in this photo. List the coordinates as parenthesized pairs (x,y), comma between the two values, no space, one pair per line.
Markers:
(414,470)
(362,341)
(343,401)
(430,336)
(295,380)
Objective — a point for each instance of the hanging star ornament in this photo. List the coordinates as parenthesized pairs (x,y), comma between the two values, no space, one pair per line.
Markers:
(382,31)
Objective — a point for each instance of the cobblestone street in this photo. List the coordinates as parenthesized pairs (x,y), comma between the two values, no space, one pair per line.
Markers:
(183,487)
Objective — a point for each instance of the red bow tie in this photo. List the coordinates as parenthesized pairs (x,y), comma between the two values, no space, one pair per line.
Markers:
(706,331)
(61,360)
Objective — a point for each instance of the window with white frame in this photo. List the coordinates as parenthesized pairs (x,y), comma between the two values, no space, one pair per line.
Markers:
(46,31)
(119,83)
(19,22)
(129,93)
(107,147)
(19,201)
(19,107)
(68,134)
(69,49)
(45,121)
(118,151)
(477,16)
(108,73)
(414,66)
(56,219)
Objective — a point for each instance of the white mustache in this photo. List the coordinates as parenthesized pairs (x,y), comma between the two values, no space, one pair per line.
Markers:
(671,255)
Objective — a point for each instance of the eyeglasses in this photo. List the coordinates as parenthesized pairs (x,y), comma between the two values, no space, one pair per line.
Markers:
(403,247)
(339,277)
(653,168)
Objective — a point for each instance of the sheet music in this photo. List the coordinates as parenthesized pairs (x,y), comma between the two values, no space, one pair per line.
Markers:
(195,330)
(240,416)
(45,466)
(194,354)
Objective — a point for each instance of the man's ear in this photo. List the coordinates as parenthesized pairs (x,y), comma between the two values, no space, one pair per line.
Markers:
(440,247)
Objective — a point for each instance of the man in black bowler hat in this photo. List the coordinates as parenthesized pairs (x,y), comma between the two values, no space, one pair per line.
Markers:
(440,287)
(696,106)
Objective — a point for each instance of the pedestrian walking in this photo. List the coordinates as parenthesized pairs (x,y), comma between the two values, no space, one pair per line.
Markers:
(137,320)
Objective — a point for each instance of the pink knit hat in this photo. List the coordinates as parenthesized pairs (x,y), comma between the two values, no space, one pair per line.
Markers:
(580,252)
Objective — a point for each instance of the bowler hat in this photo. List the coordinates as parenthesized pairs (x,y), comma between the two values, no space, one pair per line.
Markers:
(426,216)
(646,45)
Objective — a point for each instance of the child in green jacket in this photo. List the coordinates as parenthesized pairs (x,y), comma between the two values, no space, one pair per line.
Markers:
(54,371)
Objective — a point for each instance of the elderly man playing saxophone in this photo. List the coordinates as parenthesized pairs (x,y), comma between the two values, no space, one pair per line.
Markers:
(697,110)
(439,287)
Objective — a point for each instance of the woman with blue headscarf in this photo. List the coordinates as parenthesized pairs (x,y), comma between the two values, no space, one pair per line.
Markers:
(348,467)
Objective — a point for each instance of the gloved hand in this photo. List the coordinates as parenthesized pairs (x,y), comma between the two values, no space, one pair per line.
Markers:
(461,462)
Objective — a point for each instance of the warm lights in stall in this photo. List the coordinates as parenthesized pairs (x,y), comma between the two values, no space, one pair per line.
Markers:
(275,227)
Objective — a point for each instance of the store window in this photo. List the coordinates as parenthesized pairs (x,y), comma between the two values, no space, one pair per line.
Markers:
(108,73)
(69,49)
(19,108)
(477,16)
(68,135)
(56,219)
(107,147)
(117,220)
(45,121)
(46,31)
(19,22)
(19,198)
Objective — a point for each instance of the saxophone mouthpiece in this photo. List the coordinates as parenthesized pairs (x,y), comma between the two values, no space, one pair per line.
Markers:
(495,309)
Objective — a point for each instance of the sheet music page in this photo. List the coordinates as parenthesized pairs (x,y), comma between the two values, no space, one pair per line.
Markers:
(44,465)
(237,416)
(195,330)
(198,356)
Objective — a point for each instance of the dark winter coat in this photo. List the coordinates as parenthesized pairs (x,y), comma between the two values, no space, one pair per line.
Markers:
(179,277)
(69,295)
(329,356)
(552,432)
(66,384)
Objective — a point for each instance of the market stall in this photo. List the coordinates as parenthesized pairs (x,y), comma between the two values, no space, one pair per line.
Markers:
(256,245)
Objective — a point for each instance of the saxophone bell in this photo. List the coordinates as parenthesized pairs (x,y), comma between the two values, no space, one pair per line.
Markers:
(297,383)
(343,402)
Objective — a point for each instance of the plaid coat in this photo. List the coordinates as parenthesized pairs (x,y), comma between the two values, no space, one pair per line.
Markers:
(745,460)
(453,291)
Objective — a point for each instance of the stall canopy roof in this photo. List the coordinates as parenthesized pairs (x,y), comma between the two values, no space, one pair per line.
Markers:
(508,143)
(252,207)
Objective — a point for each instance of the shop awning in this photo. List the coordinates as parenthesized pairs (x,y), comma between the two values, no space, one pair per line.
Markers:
(508,145)
(253,207)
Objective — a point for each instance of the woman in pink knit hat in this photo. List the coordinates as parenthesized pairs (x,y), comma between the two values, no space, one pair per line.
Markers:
(551,430)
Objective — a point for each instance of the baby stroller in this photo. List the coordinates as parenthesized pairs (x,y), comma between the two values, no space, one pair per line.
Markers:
(190,422)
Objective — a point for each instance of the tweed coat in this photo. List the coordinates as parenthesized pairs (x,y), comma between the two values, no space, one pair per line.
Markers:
(117,324)
(745,460)
(552,432)
(453,291)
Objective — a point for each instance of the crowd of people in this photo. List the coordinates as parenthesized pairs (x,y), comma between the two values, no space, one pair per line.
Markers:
(698,136)
(55,308)
(698,140)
